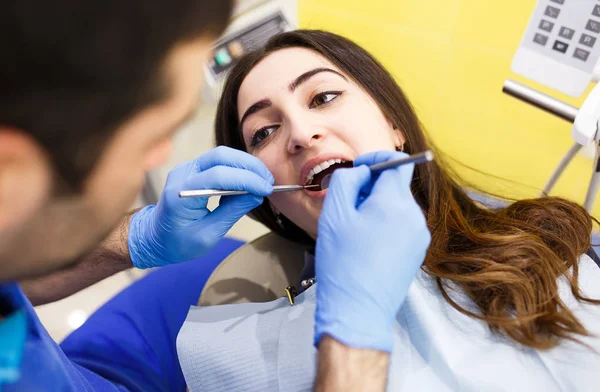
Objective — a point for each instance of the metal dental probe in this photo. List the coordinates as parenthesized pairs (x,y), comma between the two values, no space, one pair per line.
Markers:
(426,156)
(217,192)
(422,157)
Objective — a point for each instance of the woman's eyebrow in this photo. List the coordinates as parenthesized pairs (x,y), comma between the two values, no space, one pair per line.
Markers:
(309,74)
(266,103)
(256,107)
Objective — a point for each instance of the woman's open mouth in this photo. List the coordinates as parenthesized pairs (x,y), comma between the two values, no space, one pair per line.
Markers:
(320,171)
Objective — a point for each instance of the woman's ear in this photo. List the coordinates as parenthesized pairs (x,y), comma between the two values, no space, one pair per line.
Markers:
(399,139)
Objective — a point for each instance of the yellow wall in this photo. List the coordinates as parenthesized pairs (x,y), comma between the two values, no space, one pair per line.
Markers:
(452,57)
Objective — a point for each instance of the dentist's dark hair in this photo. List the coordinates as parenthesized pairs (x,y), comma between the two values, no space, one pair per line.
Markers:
(506,260)
(72,71)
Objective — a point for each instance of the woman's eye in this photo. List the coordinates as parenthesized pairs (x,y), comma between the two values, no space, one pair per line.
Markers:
(263,133)
(324,98)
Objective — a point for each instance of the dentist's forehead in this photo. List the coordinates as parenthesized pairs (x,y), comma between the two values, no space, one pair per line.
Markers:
(273,74)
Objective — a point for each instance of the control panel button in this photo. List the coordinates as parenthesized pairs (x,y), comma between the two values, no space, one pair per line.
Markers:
(596,10)
(592,25)
(560,46)
(566,32)
(546,25)
(558,1)
(540,39)
(581,54)
(552,12)
(587,40)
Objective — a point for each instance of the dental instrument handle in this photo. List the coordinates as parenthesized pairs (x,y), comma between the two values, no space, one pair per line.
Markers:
(217,192)
(422,157)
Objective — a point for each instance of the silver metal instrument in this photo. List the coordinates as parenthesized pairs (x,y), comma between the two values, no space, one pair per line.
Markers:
(540,100)
(422,157)
(217,192)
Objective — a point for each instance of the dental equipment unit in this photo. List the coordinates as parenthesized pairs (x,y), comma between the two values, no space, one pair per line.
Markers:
(558,49)
(586,121)
(423,157)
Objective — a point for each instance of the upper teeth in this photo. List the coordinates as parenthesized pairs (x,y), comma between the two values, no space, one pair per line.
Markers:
(320,167)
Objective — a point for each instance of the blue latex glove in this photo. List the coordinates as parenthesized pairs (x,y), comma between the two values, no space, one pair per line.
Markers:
(372,240)
(177,229)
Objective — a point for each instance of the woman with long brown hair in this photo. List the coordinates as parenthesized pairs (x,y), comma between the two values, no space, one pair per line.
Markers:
(506,298)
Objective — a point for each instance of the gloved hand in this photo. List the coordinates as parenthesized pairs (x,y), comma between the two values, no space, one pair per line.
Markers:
(177,229)
(372,240)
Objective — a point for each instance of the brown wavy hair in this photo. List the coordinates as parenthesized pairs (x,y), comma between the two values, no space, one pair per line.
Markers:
(507,260)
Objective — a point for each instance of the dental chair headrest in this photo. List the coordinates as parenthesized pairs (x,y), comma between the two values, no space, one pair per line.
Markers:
(259,271)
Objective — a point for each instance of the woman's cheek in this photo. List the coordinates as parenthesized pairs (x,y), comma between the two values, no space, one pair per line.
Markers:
(270,163)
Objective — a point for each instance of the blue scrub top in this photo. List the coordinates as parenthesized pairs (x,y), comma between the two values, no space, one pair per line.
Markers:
(43,365)
(129,344)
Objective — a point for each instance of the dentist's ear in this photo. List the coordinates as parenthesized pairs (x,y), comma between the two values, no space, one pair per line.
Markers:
(25,178)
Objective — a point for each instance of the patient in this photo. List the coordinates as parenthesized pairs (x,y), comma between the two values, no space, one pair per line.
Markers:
(507,297)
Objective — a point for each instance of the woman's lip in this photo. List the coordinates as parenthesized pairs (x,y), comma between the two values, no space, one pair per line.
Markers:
(319,194)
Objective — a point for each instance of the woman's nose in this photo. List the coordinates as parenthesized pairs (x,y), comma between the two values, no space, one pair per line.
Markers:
(303,137)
